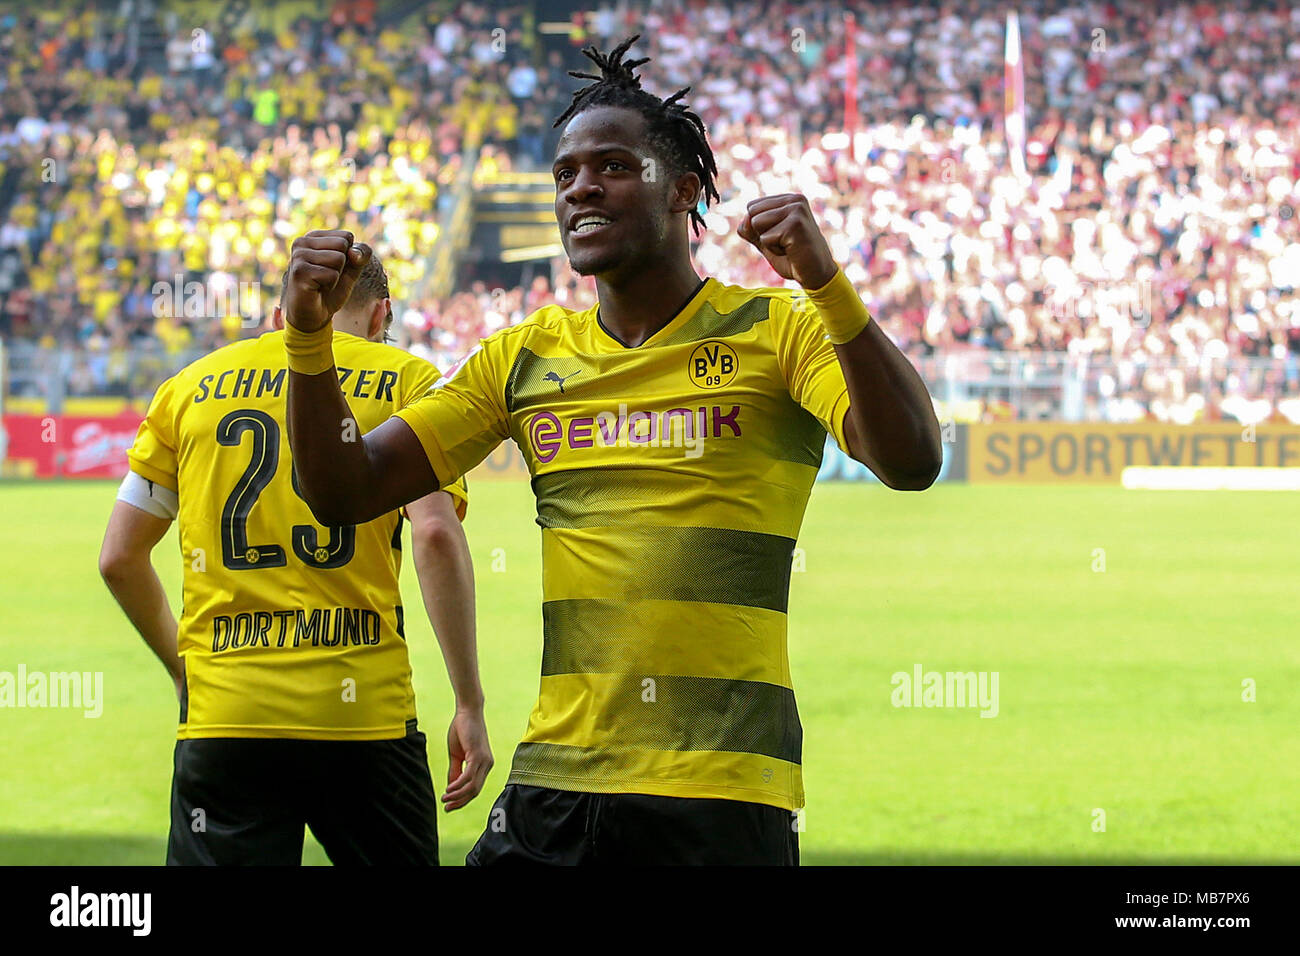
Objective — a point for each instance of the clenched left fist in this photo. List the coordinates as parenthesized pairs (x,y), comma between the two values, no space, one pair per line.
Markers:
(323,267)
(782,228)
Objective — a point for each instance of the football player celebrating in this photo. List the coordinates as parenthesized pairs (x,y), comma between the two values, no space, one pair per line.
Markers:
(671,472)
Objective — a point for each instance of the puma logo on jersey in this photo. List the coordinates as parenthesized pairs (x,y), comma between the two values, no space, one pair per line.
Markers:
(553,377)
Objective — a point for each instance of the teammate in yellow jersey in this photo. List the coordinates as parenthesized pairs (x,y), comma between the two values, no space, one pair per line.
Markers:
(673,433)
(290,659)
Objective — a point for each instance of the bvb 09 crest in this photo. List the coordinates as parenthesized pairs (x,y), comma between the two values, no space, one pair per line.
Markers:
(713,365)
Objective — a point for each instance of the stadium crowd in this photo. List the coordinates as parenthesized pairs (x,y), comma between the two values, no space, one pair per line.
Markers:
(117,173)
(1155,233)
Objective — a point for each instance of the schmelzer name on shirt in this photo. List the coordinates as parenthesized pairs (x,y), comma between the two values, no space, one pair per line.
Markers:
(318,627)
(244,383)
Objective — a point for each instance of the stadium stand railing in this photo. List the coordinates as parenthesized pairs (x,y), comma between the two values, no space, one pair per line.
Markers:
(971,385)
(440,271)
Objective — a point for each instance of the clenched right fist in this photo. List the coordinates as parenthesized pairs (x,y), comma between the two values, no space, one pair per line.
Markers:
(323,267)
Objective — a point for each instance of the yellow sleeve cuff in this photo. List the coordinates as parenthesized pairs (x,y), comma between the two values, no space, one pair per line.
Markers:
(438,460)
(149,473)
(842,311)
(310,353)
(838,412)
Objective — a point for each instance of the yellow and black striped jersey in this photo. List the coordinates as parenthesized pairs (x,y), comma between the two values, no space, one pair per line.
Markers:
(289,629)
(671,481)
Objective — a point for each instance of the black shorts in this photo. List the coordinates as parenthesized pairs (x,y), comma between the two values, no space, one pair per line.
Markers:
(539,825)
(246,801)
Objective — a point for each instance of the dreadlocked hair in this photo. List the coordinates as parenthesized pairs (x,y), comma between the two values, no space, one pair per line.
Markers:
(675,132)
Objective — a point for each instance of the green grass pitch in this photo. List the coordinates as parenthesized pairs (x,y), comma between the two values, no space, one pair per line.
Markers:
(1119,690)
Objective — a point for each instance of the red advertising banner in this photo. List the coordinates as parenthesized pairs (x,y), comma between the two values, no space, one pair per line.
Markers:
(69,446)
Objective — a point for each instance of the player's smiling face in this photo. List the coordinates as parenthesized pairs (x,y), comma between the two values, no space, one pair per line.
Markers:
(611,192)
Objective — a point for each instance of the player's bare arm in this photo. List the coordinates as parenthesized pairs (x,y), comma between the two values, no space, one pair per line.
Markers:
(890,425)
(446,572)
(346,478)
(124,564)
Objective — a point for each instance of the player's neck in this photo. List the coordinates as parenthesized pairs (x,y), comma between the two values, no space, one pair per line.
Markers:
(351,328)
(635,307)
